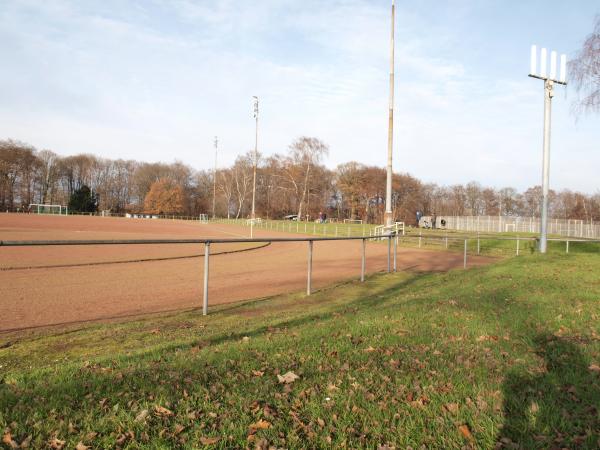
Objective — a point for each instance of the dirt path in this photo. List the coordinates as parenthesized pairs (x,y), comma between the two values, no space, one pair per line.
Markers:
(32,298)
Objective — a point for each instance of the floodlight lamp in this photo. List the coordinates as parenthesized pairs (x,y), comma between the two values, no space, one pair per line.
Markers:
(533,68)
(543,64)
(563,68)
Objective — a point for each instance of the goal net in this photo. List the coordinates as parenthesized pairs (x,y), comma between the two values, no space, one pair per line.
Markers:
(39,208)
(203,218)
(358,221)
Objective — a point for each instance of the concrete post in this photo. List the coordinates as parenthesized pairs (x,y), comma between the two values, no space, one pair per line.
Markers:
(309,280)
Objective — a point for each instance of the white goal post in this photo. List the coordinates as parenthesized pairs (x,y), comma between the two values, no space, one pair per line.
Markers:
(40,208)
(358,221)
(203,218)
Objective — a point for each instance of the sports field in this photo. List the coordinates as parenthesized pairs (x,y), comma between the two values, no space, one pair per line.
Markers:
(57,285)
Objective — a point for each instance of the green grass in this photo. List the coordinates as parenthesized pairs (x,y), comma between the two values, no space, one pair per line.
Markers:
(490,244)
(503,355)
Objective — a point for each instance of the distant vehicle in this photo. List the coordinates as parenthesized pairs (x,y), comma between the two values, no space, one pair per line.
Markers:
(291,217)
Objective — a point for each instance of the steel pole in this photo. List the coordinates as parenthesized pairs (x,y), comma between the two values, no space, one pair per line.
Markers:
(548,94)
(309,279)
(214,203)
(395,253)
(389,259)
(206,263)
(252,214)
(388,217)
(363,260)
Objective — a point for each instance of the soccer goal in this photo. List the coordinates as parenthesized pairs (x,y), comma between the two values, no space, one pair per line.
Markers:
(358,221)
(203,218)
(39,208)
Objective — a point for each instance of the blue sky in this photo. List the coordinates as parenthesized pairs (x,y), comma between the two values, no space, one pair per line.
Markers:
(157,80)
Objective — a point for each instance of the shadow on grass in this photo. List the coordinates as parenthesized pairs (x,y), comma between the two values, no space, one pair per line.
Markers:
(558,407)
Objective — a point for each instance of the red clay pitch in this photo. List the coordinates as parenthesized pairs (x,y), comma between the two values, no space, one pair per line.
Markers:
(35,294)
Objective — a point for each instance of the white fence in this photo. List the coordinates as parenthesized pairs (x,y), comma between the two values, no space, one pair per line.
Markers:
(501,224)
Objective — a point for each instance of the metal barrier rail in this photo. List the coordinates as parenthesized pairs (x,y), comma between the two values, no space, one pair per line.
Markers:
(391,240)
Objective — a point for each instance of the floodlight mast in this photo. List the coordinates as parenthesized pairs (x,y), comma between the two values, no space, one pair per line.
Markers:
(548,94)
(252,215)
(389,215)
(214,202)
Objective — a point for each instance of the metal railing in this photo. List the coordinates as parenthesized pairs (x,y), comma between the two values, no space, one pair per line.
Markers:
(392,243)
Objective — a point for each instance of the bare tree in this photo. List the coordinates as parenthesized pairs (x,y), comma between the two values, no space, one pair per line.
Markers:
(584,72)
(306,152)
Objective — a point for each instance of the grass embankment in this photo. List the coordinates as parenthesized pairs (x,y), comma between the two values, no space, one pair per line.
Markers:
(503,355)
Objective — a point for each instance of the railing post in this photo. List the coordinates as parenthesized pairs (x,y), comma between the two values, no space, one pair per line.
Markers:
(309,279)
(206,263)
(518,245)
(465,256)
(395,253)
(389,259)
(478,244)
(567,246)
(420,239)
(363,260)
(446,242)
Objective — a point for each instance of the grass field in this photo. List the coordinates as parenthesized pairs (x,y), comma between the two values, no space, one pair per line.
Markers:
(504,356)
(490,244)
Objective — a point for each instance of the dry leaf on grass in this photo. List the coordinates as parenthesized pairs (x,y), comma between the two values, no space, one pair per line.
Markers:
(56,443)
(451,407)
(594,367)
(257,373)
(82,446)
(141,416)
(260,425)
(287,378)
(209,440)
(162,411)
(8,440)
(466,432)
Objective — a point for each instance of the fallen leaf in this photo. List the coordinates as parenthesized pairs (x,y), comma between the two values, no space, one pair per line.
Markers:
(464,430)
(257,373)
(208,440)
(287,378)
(8,440)
(56,443)
(369,349)
(451,407)
(162,411)
(25,443)
(141,416)
(594,367)
(179,428)
(260,425)
(82,446)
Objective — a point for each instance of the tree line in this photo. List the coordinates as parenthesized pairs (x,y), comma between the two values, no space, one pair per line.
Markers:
(294,182)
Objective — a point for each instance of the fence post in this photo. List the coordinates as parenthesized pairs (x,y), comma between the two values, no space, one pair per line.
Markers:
(308,281)
(206,261)
(336,234)
(446,241)
(478,245)
(465,256)
(395,253)
(518,245)
(419,238)
(567,246)
(389,259)
(363,260)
